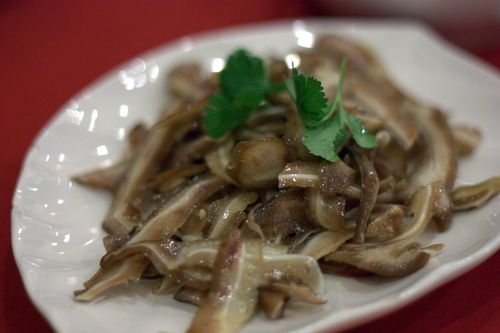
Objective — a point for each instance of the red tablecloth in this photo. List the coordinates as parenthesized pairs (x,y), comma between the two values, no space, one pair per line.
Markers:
(49,50)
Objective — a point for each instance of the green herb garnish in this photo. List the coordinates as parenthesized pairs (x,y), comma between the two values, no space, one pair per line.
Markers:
(325,123)
(244,87)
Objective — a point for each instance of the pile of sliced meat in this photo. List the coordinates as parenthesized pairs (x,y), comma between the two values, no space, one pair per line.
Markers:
(251,220)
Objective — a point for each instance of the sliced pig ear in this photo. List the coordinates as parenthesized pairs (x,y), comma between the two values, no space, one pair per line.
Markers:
(114,242)
(387,224)
(190,295)
(266,115)
(107,178)
(136,137)
(473,196)
(336,268)
(335,177)
(170,216)
(121,265)
(443,210)
(232,297)
(294,267)
(282,216)
(122,217)
(389,260)
(299,174)
(436,158)
(370,185)
(218,159)
(184,81)
(423,207)
(120,273)
(187,152)
(257,163)
(331,178)
(169,179)
(327,212)
(400,255)
(272,303)
(227,214)
(324,243)
(466,138)
(295,291)
(162,260)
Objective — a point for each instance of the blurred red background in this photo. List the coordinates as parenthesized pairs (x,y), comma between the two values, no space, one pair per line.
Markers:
(49,50)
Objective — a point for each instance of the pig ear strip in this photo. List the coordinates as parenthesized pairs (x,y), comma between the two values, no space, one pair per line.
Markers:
(243,222)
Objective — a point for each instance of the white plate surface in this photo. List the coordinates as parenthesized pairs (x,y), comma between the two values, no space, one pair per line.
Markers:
(56,224)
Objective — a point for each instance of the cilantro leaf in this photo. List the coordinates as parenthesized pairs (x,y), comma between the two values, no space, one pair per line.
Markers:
(276,88)
(221,115)
(360,134)
(244,75)
(309,97)
(320,141)
(243,88)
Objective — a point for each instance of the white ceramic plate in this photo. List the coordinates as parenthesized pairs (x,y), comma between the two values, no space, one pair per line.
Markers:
(56,225)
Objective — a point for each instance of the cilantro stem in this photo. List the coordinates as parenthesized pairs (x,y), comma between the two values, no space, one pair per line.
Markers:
(338,95)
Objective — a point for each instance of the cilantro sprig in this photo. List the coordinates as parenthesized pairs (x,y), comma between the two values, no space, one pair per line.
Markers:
(244,87)
(325,123)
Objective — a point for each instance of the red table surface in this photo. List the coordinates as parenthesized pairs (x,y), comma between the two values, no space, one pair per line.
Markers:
(49,50)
